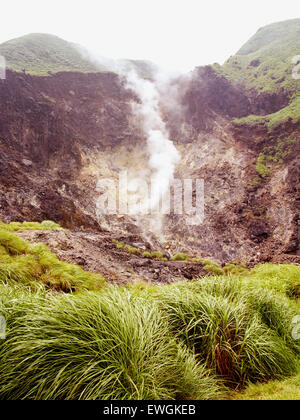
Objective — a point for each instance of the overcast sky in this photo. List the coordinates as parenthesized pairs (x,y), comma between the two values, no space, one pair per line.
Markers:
(179,34)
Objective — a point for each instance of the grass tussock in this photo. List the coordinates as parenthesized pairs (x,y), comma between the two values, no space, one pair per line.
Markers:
(227,333)
(281,278)
(91,346)
(170,342)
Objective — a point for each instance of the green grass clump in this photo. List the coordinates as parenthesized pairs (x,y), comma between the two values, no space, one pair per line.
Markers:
(142,341)
(91,346)
(180,256)
(261,168)
(277,313)
(145,342)
(201,260)
(12,244)
(132,249)
(22,226)
(147,254)
(119,245)
(208,265)
(282,278)
(235,269)
(154,255)
(227,333)
(32,264)
(213,268)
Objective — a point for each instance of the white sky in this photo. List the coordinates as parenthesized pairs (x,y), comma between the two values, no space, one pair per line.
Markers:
(178,34)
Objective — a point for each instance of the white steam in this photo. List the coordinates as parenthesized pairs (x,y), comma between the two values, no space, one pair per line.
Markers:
(163,156)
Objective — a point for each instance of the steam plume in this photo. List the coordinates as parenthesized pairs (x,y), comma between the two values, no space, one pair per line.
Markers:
(163,155)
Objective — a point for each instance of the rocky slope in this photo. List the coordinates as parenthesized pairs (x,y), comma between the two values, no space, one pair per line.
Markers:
(97,252)
(62,133)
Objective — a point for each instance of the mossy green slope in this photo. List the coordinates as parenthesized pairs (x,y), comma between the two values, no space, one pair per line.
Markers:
(265,64)
(265,61)
(41,53)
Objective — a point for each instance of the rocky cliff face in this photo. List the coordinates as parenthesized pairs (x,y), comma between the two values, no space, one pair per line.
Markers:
(48,125)
(62,133)
(250,215)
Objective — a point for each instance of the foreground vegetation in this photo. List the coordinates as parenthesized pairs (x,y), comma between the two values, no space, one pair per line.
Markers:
(195,339)
(288,389)
(187,340)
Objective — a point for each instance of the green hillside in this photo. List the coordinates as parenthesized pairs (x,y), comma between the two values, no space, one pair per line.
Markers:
(265,61)
(43,53)
(40,53)
(265,64)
